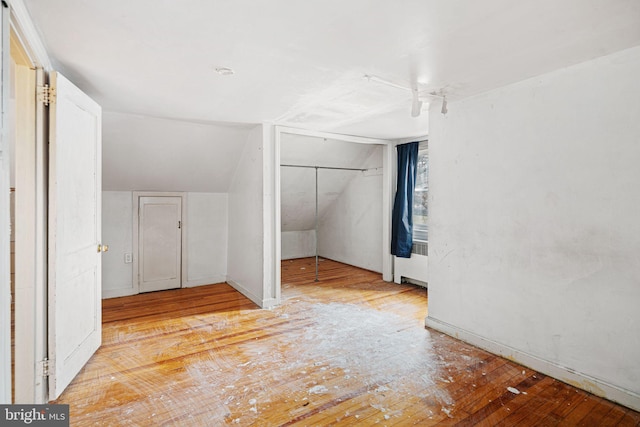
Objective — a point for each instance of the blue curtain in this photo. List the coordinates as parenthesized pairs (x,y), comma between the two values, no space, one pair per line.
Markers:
(402,219)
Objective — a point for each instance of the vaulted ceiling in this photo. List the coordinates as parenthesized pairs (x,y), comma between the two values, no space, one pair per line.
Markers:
(302,63)
(153,154)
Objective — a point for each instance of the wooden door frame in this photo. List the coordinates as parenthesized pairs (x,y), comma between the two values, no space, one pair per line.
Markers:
(5,224)
(136,231)
(30,383)
(26,266)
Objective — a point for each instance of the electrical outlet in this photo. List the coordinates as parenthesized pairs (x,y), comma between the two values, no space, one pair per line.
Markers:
(128,258)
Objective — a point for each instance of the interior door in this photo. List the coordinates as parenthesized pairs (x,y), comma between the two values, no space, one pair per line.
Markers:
(159,243)
(74,315)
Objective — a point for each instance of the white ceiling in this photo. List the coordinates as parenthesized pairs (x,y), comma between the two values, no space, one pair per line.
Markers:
(298,185)
(302,63)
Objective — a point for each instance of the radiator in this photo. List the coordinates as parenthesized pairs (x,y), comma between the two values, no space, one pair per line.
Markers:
(414,269)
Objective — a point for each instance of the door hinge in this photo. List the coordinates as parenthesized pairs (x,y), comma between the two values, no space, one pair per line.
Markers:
(44,368)
(179,224)
(46,95)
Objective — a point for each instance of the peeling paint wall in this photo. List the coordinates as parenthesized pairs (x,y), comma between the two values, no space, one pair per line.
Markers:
(534,218)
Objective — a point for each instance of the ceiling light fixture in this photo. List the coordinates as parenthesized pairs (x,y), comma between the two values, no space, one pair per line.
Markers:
(416,103)
(224,71)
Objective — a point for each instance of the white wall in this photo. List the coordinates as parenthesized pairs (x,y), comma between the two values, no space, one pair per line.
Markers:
(246,226)
(350,231)
(152,154)
(298,244)
(206,228)
(117,232)
(534,223)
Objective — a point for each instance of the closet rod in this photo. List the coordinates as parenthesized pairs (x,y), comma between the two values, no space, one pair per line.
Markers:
(316,168)
(323,167)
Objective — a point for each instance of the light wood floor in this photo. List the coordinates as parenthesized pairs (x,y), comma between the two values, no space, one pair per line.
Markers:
(349,350)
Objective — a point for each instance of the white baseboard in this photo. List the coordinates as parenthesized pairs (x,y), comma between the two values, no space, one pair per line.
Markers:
(585,382)
(220,278)
(246,292)
(115,293)
(269,303)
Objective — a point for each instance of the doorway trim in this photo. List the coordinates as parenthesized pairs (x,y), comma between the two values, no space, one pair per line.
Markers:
(16,19)
(136,230)
(5,222)
(272,170)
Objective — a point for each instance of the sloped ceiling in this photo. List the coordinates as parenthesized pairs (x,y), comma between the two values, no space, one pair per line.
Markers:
(302,62)
(298,185)
(151,154)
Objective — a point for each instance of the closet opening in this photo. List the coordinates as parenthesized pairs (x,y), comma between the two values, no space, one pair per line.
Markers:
(333,203)
(27,181)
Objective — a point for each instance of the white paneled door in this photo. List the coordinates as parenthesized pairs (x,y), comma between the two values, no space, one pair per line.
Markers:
(75,247)
(159,243)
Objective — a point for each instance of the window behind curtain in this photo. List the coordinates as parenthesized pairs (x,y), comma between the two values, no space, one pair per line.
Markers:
(420,210)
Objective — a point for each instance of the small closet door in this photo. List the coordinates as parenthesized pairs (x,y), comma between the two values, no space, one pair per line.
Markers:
(159,243)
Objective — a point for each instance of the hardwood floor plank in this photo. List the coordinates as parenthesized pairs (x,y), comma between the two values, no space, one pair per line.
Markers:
(347,350)
(547,395)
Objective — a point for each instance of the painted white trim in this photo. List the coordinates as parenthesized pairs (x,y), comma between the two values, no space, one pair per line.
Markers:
(277,233)
(421,138)
(212,280)
(30,299)
(30,257)
(246,292)
(270,287)
(42,231)
(28,35)
(135,280)
(115,293)
(577,379)
(42,243)
(34,308)
(184,251)
(329,135)
(388,168)
(135,202)
(269,303)
(5,220)
(33,385)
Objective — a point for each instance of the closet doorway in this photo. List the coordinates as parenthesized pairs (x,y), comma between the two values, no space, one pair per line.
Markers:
(27,180)
(333,200)
(158,240)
